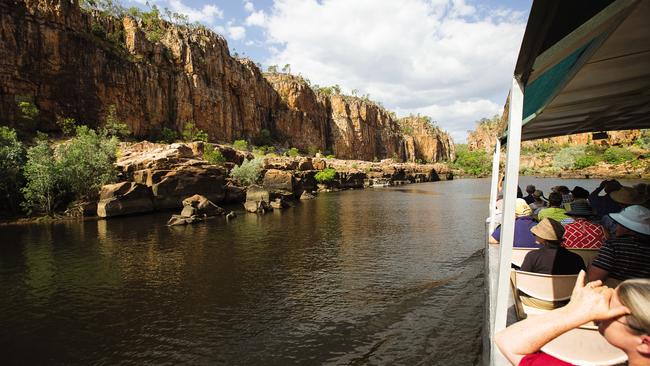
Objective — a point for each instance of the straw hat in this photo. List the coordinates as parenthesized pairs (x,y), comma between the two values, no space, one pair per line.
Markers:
(628,196)
(538,194)
(548,229)
(581,208)
(522,208)
(635,218)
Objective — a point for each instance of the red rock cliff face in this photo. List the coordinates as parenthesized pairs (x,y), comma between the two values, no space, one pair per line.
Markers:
(430,143)
(74,63)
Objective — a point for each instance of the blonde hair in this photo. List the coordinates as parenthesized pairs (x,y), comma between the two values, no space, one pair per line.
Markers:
(635,295)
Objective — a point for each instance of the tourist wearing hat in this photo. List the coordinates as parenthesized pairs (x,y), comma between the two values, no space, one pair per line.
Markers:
(529,198)
(623,197)
(581,233)
(539,202)
(555,210)
(627,255)
(604,205)
(552,258)
(565,192)
(523,223)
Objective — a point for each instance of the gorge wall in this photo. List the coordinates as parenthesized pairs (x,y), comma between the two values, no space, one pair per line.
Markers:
(75,63)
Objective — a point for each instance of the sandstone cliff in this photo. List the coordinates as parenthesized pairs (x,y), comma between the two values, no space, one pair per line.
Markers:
(430,143)
(75,63)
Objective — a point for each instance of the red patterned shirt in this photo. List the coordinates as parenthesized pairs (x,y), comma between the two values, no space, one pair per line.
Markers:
(582,234)
(542,359)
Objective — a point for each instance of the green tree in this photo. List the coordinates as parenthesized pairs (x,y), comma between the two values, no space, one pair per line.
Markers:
(192,133)
(168,135)
(43,179)
(67,125)
(113,126)
(86,163)
(28,110)
(248,172)
(12,158)
(213,155)
(240,145)
(326,175)
(618,155)
(273,69)
(472,162)
(293,152)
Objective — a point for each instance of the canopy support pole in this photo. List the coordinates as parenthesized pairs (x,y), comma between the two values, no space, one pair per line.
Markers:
(495,185)
(513,150)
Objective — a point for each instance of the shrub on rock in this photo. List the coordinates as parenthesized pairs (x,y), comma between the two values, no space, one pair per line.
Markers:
(248,172)
(325,176)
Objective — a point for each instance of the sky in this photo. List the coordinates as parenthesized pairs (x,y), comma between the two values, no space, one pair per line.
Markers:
(451,60)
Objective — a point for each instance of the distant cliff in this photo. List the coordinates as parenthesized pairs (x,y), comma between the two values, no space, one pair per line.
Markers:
(76,63)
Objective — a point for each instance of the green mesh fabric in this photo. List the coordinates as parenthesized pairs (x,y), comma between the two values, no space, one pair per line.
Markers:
(539,92)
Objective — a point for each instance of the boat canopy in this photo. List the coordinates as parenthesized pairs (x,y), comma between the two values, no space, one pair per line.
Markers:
(584,66)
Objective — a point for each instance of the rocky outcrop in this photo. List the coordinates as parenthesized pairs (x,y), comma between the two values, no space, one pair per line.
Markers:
(427,142)
(124,198)
(257,200)
(195,209)
(76,63)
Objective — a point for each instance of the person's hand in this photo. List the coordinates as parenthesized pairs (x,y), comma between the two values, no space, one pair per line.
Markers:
(603,184)
(591,301)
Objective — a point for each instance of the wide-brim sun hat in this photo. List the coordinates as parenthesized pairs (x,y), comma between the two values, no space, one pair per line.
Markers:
(581,208)
(628,196)
(522,208)
(548,229)
(635,218)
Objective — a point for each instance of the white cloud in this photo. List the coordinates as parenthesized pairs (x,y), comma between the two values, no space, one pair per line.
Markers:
(444,58)
(249,7)
(236,32)
(257,18)
(208,14)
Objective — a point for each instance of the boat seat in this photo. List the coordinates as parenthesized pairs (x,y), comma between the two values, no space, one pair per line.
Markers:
(548,289)
(582,346)
(587,255)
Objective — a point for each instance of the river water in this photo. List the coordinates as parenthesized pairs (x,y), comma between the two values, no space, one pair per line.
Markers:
(380,276)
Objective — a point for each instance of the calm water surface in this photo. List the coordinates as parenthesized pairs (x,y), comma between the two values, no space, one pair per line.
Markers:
(383,276)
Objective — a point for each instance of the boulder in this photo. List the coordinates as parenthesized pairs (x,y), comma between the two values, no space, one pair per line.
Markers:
(234,194)
(204,179)
(278,180)
(257,199)
(279,203)
(319,164)
(307,196)
(200,205)
(305,164)
(182,220)
(259,207)
(124,198)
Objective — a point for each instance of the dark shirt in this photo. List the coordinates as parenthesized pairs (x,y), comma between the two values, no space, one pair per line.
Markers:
(625,257)
(523,237)
(529,199)
(552,260)
(603,205)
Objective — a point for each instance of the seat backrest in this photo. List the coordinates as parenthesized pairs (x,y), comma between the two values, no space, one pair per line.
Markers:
(545,287)
(518,255)
(588,255)
(585,347)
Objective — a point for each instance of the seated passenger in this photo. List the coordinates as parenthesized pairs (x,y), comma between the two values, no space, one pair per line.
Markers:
(624,197)
(604,204)
(523,223)
(565,192)
(579,194)
(555,211)
(622,316)
(583,234)
(552,258)
(530,198)
(539,202)
(628,254)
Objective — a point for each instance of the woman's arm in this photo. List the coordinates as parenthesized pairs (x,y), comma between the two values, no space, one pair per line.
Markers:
(590,302)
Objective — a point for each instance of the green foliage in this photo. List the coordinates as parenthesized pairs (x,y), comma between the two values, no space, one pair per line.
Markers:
(472,162)
(67,125)
(28,110)
(43,179)
(213,155)
(286,69)
(168,135)
(325,176)
(263,138)
(113,126)
(192,133)
(87,162)
(329,90)
(248,172)
(312,150)
(76,171)
(566,157)
(12,157)
(240,145)
(539,147)
(585,161)
(293,152)
(618,155)
(273,69)
(330,156)
(644,140)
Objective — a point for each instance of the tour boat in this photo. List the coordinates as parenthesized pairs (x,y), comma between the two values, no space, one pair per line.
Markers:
(583,66)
